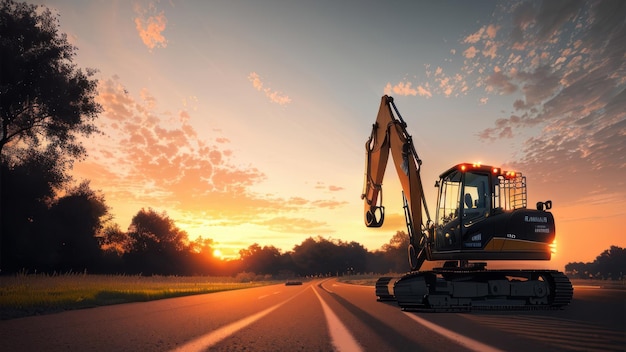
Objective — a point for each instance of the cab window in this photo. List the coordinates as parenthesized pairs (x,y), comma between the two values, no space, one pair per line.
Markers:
(476,196)
(450,195)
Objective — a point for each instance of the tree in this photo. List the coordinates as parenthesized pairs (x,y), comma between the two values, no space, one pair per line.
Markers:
(46,102)
(320,256)
(114,241)
(261,260)
(157,245)
(76,219)
(42,93)
(28,188)
(610,264)
(355,257)
(395,252)
(152,231)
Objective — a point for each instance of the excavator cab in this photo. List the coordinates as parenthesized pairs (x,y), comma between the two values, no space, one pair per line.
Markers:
(482,215)
(464,199)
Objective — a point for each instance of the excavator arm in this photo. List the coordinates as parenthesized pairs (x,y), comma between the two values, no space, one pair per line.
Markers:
(389,134)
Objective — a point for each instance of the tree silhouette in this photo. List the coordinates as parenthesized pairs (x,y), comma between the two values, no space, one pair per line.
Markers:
(610,264)
(320,256)
(395,252)
(261,260)
(28,188)
(75,221)
(42,93)
(157,245)
(114,241)
(45,101)
(202,261)
(355,257)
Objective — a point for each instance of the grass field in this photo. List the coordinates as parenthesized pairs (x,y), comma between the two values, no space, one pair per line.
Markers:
(24,295)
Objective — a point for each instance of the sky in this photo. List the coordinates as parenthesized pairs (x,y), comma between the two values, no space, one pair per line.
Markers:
(246,121)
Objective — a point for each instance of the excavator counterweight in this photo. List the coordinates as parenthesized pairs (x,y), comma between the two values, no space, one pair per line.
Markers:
(481,215)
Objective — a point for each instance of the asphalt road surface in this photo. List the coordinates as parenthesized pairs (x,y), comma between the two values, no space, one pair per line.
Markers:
(322,315)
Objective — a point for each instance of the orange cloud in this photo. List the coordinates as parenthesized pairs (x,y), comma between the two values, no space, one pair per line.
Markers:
(406,89)
(475,37)
(402,88)
(272,95)
(491,31)
(150,26)
(330,204)
(147,160)
(470,52)
(295,225)
(320,185)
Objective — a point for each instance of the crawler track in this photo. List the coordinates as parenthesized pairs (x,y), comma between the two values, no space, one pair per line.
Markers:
(458,289)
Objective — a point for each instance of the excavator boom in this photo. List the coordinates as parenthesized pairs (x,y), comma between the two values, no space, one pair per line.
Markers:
(389,134)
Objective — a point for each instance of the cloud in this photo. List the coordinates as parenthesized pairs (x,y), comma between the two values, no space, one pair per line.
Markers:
(158,160)
(150,26)
(500,82)
(491,31)
(330,204)
(470,52)
(296,225)
(406,89)
(474,38)
(567,62)
(402,88)
(332,188)
(272,95)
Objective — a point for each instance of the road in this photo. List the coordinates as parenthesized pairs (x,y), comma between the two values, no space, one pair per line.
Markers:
(322,315)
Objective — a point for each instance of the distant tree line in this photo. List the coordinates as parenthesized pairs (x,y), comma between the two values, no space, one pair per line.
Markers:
(609,265)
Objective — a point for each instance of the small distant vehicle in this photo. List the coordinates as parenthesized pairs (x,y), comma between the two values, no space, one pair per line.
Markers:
(293,283)
(481,215)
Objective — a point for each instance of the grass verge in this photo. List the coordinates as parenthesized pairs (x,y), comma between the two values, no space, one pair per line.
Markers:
(25,295)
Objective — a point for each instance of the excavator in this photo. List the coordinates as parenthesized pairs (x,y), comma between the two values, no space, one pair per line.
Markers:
(481,216)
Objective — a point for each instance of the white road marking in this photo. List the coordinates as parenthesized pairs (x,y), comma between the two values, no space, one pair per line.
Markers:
(265,296)
(339,334)
(203,342)
(458,338)
(321,285)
